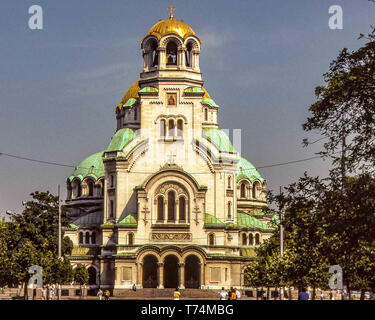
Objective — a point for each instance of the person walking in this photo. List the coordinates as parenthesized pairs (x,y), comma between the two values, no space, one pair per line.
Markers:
(176,294)
(223,294)
(134,288)
(106,294)
(238,294)
(44,293)
(100,294)
(233,294)
(322,296)
(264,295)
(303,295)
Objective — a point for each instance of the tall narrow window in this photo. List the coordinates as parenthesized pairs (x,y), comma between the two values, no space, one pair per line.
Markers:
(162,128)
(244,239)
(79,189)
(93,238)
(171,53)
(182,204)
(112,181)
(243,190)
(211,239)
(135,113)
(205,114)
(130,239)
(81,237)
(171,128)
(90,185)
(229,210)
(251,239)
(160,208)
(255,186)
(188,55)
(87,238)
(155,55)
(179,128)
(112,209)
(229,182)
(171,206)
(257,239)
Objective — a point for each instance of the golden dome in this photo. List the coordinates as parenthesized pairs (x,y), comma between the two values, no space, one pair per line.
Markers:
(169,26)
(131,93)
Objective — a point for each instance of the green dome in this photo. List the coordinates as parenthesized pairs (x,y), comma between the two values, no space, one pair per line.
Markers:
(248,171)
(92,166)
(121,138)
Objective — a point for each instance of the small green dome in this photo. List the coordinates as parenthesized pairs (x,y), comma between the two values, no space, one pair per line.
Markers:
(92,166)
(119,141)
(246,170)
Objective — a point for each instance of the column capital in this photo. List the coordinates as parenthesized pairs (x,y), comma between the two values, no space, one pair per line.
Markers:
(181,265)
(160,264)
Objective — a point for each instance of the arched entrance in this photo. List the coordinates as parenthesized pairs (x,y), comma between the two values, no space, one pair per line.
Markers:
(92,275)
(150,272)
(192,272)
(171,272)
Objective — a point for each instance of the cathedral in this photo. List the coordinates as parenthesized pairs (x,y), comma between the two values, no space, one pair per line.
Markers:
(169,202)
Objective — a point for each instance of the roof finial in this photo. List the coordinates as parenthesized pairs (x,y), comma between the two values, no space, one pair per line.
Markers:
(171,11)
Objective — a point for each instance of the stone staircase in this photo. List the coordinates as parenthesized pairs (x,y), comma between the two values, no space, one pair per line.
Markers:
(166,294)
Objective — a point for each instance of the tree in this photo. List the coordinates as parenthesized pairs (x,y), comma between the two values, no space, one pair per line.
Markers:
(345,107)
(34,239)
(81,276)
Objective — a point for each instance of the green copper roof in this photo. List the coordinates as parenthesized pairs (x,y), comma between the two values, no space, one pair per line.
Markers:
(129,103)
(149,89)
(129,220)
(92,166)
(248,252)
(210,102)
(247,221)
(211,220)
(120,140)
(219,139)
(194,89)
(246,170)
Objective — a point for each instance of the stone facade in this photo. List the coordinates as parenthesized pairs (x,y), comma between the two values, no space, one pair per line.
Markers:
(170,202)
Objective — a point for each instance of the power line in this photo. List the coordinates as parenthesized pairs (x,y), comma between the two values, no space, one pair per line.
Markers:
(146,172)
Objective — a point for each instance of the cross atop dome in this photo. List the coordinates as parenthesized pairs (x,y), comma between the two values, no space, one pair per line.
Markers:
(171,11)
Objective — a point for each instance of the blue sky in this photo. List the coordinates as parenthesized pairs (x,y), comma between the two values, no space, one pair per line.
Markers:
(260,60)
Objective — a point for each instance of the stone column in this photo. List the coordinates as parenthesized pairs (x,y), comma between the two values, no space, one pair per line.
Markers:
(139,274)
(160,275)
(181,275)
(202,269)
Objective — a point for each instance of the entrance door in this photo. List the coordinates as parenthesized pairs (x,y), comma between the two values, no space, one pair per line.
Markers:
(150,272)
(192,272)
(171,272)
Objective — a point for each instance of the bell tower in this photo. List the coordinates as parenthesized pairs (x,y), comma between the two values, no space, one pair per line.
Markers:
(171,49)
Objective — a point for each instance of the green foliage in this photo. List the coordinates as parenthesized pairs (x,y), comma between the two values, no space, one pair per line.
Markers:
(81,275)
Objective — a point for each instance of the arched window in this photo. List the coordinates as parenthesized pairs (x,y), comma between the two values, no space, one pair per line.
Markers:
(155,54)
(93,238)
(90,185)
(255,193)
(80,237)
(171,206)
(130,238)
(92,275)
(188,55)
(257,239)
(244,239)
(211,239)
(205,114)
(160,208)
(251,239)
(243,190)
(182,209)
(229,182)
(229,210)
(171,128)
(171,53)
(179,128)
(162,128)
(87,237)
(79,189)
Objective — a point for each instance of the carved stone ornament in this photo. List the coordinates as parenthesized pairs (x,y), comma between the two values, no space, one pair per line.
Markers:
(171,236)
